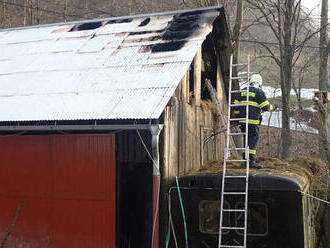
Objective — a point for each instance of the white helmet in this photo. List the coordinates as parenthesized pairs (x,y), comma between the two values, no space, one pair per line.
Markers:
(256,80)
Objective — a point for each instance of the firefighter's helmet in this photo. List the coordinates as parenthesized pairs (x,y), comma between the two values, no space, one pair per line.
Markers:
(256,80)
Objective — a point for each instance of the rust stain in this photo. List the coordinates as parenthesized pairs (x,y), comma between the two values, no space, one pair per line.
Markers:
(145,49)
(63,29)
(121,34)
(77,37)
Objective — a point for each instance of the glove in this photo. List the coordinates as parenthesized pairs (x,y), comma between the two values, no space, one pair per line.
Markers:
(275,107)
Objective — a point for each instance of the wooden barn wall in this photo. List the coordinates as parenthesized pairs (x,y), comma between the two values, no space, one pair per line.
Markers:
(129,148)
(189,125)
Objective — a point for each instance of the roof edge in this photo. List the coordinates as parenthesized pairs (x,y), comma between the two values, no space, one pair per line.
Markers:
(114,18)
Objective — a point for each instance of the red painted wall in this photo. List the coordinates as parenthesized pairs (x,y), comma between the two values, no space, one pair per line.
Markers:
(67,183)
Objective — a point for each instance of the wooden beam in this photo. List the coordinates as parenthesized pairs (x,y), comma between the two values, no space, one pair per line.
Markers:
(185,88)
(220,84)
(198,76)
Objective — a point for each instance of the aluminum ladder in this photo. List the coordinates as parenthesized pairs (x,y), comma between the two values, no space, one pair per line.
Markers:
(235,195)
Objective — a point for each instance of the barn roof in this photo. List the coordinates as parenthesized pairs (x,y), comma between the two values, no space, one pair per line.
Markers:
(116,68)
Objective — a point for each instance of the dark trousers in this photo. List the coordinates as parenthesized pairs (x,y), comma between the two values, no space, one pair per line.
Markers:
(253,137)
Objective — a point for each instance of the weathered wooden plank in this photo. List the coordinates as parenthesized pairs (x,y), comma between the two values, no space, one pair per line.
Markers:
(198,76)
(220,86)
(185,87)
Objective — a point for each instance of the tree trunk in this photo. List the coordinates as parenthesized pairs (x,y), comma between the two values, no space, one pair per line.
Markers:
(323,70)
(323,80)
(237,30)
(286,131)
(286,80)
(2,17)
(25,12)
(65,7)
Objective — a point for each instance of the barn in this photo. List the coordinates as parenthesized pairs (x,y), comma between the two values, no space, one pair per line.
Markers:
(97,117)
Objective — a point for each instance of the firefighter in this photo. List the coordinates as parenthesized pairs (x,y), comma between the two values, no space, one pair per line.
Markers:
(257,103)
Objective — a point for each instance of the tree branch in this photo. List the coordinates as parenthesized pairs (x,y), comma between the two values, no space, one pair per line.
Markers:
(277,60)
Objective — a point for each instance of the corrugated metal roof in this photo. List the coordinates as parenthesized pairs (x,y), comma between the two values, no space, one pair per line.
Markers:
(123,69)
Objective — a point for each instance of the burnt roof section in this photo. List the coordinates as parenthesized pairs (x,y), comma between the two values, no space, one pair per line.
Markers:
(109,69)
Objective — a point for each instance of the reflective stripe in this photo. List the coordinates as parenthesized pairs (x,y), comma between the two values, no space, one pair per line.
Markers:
(236,112)
(252,151)
(236,101)
(251,103)
(264,104)
(250,121)
(252,94)
(271,108)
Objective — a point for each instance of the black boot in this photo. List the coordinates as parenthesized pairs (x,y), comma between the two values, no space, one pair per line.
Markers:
(253,164)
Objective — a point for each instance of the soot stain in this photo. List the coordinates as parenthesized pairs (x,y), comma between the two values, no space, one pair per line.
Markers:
(145,22)
(86,26)
(146,32)
(195,12)
(140,33)
(168,46)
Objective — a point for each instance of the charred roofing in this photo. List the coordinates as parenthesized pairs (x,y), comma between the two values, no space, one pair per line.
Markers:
(168,46)
(118,21)
(86,26)
(145,22)
(108,69)
(178,32)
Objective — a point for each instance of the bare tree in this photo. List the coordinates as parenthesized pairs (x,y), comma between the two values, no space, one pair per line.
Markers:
(290,31)
(301,71)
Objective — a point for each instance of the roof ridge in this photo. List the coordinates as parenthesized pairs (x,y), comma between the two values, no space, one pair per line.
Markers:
(114,18)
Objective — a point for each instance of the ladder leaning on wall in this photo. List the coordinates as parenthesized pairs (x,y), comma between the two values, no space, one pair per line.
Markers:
(230,182)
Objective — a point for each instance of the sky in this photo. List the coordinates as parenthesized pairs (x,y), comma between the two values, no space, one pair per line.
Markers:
(313,4)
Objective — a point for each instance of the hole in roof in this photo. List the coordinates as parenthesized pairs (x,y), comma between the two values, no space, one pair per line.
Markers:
(179,31)
(182,27)
(86,26)
(168,46)
(126,20)
(145,22)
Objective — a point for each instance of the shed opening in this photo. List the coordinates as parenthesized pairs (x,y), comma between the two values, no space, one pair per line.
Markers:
(135,204)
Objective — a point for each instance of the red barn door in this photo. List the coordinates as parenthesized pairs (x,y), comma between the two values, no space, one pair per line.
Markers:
(57,191)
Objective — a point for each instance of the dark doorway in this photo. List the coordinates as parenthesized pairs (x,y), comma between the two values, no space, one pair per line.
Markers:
(135,205)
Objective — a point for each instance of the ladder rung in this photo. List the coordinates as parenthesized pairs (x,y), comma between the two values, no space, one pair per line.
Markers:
(232,228)
(237,134)
(238,91)
(231,246)
(242,64)
(242,176)
(236,160)
(238,78)
(233,210)
(237,119)
(234,193)
(237,149)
